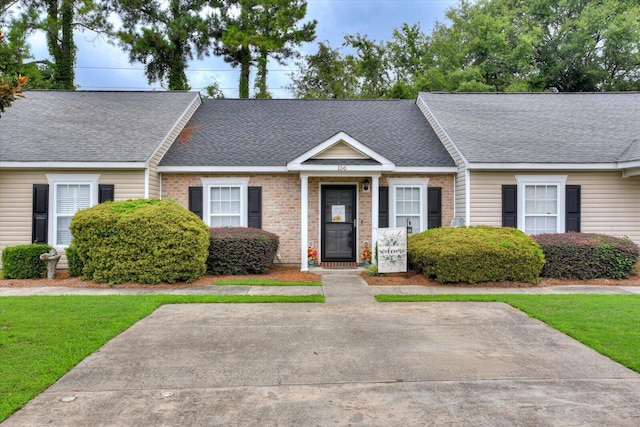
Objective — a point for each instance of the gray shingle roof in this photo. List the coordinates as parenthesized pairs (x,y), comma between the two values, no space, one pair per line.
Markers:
(48,126)
(541,127)
(231,132)
(632,153)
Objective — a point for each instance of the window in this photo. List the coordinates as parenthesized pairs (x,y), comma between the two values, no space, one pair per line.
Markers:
(408,203)
(225,202)
(541,203)
(70,194)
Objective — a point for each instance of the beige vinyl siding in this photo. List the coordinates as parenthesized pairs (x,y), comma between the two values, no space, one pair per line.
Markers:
(460,202)
(16,198)
(340,151)
(154,176)
(610,204)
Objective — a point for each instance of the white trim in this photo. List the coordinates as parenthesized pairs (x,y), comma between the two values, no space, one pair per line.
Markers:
(338,167)
(200,169)
(375,207)
(146,182)
(419,101)
(631,172)
(422,183)
(426,169)
(297,163)
(72,165)
(243,183)
(164,140)
(557,180)
(74,179)
(545,166)
(304,222)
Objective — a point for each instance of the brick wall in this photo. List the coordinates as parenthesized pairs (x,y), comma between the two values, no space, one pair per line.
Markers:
(281,204)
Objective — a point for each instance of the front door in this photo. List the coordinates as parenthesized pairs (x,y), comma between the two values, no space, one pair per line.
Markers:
(338,223)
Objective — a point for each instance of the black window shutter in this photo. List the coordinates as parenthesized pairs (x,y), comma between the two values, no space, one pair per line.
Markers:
(510,206)
(434,207)
(383,207)
(572,208)
(39,229)
(195,200)
(106,193)
(255,207)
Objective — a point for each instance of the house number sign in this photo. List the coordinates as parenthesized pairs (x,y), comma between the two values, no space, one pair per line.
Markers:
(342,167)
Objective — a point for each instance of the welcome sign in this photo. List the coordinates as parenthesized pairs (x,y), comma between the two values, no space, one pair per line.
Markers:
(392,250)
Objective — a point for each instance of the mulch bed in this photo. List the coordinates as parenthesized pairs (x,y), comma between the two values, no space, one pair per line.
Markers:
(294,274)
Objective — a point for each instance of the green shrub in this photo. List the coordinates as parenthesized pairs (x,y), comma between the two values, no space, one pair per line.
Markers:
(23,261)
(239,250)
(476,254)
(142,241)
(587,256)
(74,263)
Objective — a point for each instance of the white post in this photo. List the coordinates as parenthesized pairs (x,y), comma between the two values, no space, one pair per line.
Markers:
(304,221)
(375,197)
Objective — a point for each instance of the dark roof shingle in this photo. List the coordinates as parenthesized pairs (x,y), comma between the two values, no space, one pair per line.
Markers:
(232,132)
(539,127)
(78,126)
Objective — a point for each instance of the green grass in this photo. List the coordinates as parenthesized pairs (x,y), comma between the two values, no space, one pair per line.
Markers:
(43,337)
(264,282)
(610,324)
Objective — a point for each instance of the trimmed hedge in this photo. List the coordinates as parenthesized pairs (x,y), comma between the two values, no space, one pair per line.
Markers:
(23,261)
(74,263)
(476,254)
(141,241)
(239,250)
(587,256)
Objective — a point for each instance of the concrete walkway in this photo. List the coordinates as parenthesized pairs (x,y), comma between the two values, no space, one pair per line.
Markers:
(348,362)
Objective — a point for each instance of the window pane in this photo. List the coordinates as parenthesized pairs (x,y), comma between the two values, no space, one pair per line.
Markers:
(63,233)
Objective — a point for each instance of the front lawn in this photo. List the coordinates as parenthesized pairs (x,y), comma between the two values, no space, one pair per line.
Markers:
(43,337)
(610,324)
(265,282)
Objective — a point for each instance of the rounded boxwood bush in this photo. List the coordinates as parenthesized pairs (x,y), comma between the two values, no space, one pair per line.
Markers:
(588,256)
(23,261)
(142,241)
(476,254)
(240,250)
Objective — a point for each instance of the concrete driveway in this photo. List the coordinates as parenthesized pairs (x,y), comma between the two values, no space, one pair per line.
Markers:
(369,364)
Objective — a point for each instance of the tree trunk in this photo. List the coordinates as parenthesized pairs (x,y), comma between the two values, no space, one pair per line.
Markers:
(245,71)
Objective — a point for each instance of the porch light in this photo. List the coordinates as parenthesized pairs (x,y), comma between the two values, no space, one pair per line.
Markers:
(365,184)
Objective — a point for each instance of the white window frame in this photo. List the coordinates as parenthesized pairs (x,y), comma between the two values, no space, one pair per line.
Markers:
(70,179)
(549,180)
(421,183)
(242,183)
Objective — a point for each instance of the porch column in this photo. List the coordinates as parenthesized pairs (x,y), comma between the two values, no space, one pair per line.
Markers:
(304,221)
(375,198)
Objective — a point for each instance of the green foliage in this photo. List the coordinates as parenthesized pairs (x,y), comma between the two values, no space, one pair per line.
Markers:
(74,263)
(476,254)
(239,250)
(248,31)
(164,36)
(372,270)
(587,256)
(23,261)
(143,241)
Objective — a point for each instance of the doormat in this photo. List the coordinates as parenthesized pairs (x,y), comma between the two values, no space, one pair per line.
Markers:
(339,265)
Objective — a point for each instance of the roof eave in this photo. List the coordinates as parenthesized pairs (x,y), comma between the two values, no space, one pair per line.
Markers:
(72,165)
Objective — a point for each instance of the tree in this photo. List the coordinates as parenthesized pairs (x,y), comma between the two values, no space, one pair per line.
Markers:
(164,36)
(326,74)
(370,65)
(58,19)
(249,31)
(10,87)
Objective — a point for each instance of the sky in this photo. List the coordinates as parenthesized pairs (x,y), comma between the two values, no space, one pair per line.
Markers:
(103,66)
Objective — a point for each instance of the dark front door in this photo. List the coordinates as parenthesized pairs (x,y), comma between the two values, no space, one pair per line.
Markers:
(338,223)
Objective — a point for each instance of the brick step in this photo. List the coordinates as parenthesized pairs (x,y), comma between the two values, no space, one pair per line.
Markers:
(339,265)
